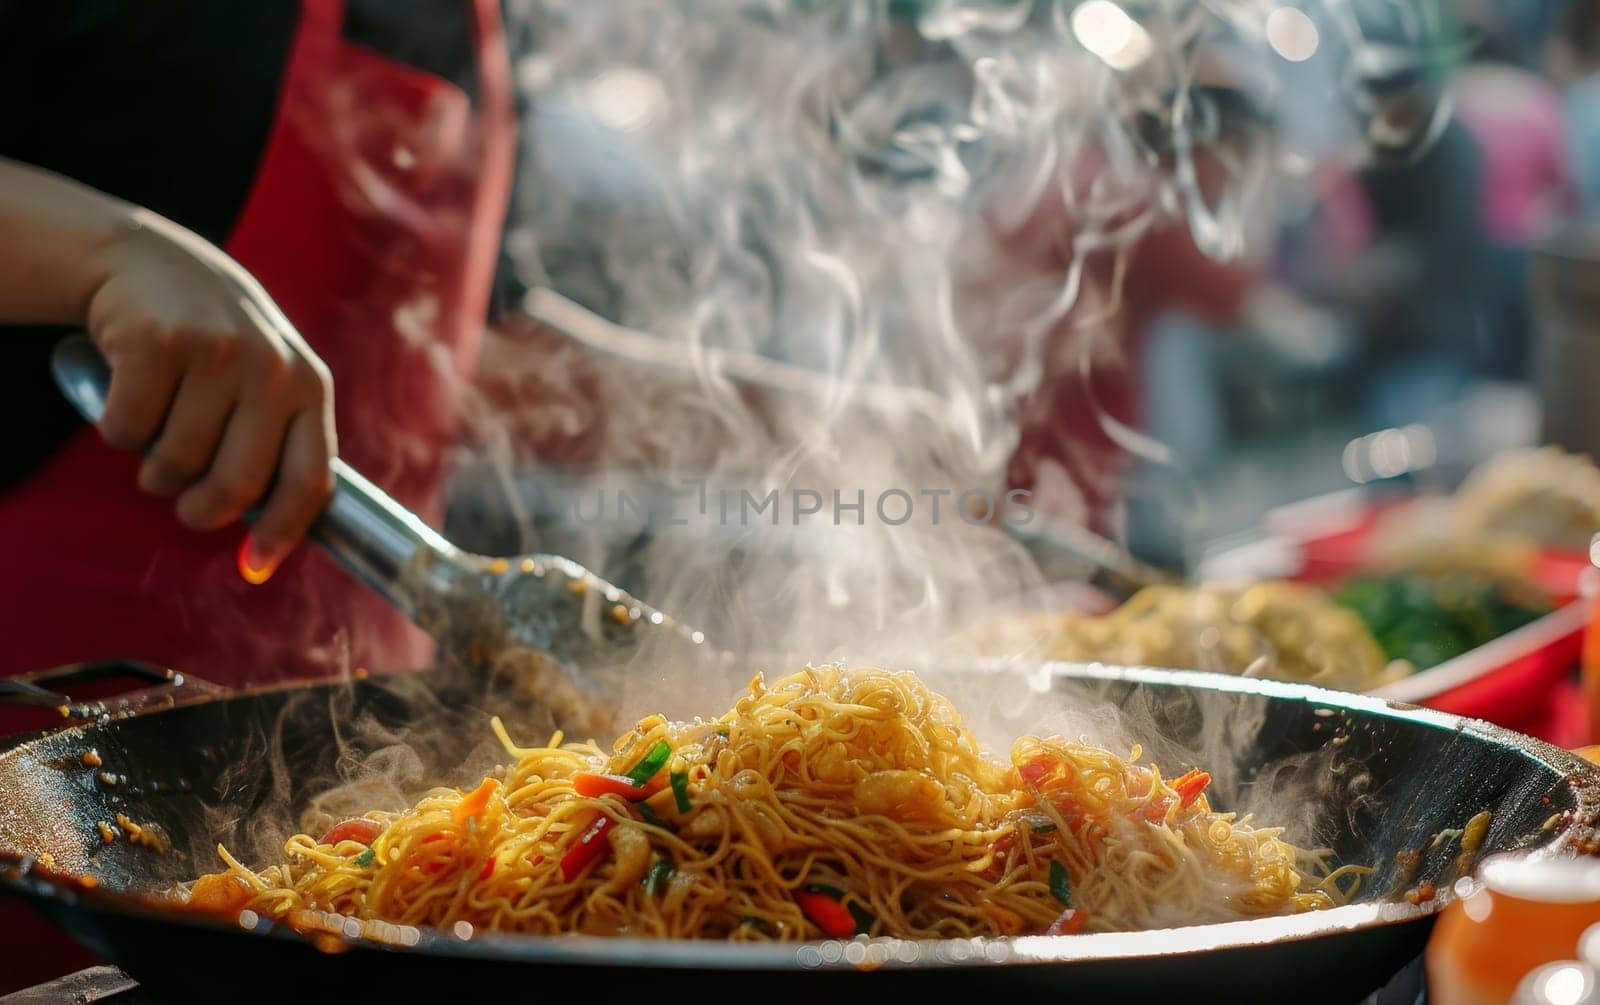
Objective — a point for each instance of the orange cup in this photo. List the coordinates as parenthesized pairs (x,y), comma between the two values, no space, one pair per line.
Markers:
(1523,913)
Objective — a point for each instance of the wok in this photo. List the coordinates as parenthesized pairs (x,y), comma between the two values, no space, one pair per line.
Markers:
(1376,779)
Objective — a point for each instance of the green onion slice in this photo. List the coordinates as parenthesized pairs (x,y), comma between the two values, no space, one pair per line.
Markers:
(653,762)
(658,874)
(680,790)
(650,816)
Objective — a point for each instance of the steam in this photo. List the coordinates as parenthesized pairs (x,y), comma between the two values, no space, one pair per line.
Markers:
(925,203)
(862,242)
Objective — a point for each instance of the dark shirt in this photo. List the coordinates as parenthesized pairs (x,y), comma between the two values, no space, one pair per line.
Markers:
(167,105)
(1429,209)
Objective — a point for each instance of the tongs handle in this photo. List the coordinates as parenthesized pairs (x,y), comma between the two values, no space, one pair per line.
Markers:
(1067,551)
(363,527)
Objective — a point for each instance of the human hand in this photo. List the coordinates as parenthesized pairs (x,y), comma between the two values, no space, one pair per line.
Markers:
(209,378)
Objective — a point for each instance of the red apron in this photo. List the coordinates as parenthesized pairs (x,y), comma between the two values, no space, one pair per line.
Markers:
(374,222)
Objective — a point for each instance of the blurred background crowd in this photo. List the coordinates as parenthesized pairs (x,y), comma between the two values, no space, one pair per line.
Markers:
(1413,316)
(1394,326)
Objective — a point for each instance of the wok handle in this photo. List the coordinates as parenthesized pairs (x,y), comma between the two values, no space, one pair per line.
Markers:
(379,541)
(47,689)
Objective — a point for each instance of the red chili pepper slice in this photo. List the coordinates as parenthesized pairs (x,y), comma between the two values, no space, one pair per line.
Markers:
(594,785)
(1035,770)
(1189,785)
(1070,923)
(1003,846)
(826,913)
(591,846)
(487,870)
(1051,781)
(359,829)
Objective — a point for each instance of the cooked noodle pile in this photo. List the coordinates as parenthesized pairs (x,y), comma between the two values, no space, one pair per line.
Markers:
(1276,629)
(831,803)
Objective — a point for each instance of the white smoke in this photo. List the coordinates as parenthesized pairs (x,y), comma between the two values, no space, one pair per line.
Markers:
(847,244)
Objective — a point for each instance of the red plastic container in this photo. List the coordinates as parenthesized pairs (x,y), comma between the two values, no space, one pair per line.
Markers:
(1520,680)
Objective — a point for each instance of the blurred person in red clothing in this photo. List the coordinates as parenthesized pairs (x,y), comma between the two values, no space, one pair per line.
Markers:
(319,285)
(1516,119)
(1080,426)
(280,223)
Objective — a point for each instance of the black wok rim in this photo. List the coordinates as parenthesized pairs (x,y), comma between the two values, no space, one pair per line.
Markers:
(51,892)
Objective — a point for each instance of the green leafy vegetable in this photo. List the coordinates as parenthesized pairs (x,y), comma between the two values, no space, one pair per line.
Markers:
(759,924)
(1060,883)
(1427,618)
(864,918)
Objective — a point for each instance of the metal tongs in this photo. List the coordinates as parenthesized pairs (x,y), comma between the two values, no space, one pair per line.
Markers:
(532,609)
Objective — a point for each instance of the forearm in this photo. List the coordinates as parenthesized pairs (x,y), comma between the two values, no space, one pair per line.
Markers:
(54,239)
(208,378)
